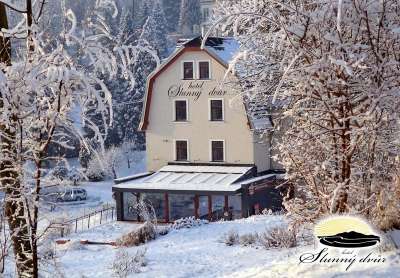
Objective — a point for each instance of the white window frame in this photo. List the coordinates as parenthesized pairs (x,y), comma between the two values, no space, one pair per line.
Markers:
(183,71)
(174,110)
(188,150)
(223,109)
(198,69)
(224,152)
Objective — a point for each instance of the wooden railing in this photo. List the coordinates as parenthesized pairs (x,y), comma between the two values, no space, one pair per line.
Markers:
(87,221)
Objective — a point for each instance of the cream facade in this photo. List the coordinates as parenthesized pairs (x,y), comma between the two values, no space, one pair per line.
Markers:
(240,144)
(205,157)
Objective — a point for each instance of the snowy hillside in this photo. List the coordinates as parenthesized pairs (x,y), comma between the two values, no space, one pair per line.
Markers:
(199,252)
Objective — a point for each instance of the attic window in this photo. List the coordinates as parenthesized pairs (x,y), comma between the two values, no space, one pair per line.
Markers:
(204,70)
(188,72)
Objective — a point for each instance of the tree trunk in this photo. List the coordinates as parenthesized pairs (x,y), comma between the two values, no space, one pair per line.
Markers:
(14,203)
(114,172)
(15,209)
(339,204)
(5,46)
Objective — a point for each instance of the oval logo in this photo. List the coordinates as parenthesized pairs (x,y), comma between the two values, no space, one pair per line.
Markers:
(345,232)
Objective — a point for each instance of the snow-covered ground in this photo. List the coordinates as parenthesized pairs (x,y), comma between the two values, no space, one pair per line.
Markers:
(195,252)
(199,252)
(99,193)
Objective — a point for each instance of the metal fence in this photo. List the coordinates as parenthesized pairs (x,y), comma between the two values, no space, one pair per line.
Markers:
(87,221)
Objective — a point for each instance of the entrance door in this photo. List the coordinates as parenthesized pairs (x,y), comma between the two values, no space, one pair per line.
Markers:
(203,207)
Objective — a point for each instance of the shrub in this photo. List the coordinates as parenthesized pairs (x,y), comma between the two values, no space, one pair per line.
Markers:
(125,264)
(248,239)
(95,173)
(187,222)
(163,230)
(75,175)
(230,238)
(271,212)
(279,238)
(59,171)
(267,212)
(104,163)
(143,234)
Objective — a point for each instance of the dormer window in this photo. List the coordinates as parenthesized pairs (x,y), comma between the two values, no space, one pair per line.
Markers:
(181,110)
(188,70)
(204,70)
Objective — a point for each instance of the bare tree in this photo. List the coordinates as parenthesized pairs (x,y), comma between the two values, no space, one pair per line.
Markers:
(329,71)
(39,87)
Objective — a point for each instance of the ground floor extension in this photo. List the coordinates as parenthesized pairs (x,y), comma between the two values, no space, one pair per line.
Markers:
(205,192)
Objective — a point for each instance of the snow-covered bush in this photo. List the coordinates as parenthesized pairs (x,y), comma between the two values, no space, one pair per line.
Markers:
(271,212)
(278,237)
(125,264)
(230,238)
(75,175)
(103,164)
(141,235)
(163,230)
(187,222)
(60,171)
(95,173)
(248,239)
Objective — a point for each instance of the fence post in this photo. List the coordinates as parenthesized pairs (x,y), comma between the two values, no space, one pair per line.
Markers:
(88,217)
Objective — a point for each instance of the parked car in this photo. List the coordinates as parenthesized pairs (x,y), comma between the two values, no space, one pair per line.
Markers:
(72,194)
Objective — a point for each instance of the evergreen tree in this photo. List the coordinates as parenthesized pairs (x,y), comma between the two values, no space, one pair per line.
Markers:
(189,17)
(143,10)
(127,100)
(171,10)
(154,30)
(128,96)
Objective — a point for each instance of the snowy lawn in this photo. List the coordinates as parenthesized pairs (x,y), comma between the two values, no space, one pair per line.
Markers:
(99,193)
(198,252)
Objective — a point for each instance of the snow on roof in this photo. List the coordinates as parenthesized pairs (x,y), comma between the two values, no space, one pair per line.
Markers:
(190,178)
(259,178)
(206,169)
(132,177)
(259,109)
(225,48)
(261,124)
